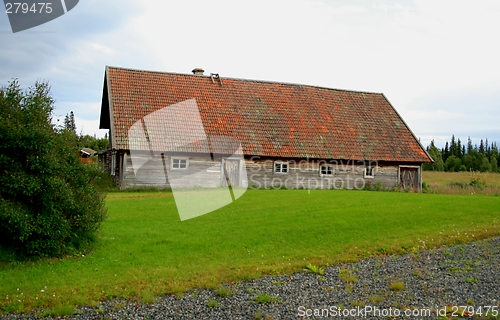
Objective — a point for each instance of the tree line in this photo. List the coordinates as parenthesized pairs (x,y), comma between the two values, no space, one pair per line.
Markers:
(457,156)
(84,141)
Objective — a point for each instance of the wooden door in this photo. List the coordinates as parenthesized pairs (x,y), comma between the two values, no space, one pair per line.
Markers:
(231,173)
(409,178)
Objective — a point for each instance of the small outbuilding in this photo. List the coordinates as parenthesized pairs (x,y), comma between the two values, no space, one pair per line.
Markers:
(86,154)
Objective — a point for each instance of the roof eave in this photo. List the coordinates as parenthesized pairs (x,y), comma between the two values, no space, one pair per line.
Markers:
(107,115)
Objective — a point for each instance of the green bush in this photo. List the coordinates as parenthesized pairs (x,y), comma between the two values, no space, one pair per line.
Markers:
(49,205)
(368,185)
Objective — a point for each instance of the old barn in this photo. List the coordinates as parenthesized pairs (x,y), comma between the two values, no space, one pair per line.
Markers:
(210,131)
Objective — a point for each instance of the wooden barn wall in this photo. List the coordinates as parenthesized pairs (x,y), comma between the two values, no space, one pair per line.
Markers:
(201,172)
(302,173)
(305,174)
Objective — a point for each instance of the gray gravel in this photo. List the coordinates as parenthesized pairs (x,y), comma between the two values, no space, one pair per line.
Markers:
(463,275)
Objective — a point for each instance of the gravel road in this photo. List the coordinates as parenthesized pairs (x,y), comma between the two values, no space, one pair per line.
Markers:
(412,286)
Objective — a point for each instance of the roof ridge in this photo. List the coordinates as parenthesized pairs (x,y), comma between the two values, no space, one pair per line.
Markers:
(248,80)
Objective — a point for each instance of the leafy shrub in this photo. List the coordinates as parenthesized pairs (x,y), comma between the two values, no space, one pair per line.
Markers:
(372,186)
(478,183)
(49,205)
(368,185)
(425,186)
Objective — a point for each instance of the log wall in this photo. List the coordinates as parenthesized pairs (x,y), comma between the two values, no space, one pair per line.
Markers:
(204,172)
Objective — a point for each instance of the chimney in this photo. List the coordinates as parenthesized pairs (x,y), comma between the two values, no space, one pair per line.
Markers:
(198,71)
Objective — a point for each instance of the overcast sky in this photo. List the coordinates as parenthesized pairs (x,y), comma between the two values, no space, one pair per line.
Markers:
(438,62)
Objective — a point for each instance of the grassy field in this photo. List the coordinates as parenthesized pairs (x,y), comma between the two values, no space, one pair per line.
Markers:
(145,250)
(444,178)
(485,183)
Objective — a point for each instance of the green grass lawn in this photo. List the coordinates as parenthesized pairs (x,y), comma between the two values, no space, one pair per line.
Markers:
(145,250)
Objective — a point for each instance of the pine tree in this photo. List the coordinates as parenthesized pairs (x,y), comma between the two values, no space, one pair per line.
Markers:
(481,147)
(445,152)
(453,146)
(69,122)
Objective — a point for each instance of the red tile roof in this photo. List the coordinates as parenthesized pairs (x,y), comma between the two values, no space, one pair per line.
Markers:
(268,118)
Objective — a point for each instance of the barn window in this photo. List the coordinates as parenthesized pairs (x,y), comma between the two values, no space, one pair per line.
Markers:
(326,170)
(281,167)
(180,163)
(368,172)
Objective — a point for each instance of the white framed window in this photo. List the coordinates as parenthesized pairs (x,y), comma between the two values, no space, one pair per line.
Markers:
(369,172)
(326,170)
(179,163)
(281,167)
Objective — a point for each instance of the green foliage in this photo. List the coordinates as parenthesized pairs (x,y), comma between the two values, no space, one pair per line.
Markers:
(265,298)
(212,303)
(49,205)
(347,276)
(425,186)
(314,269)
(397,286)
(478,183)
(368,185)
(372,186)
(494,163)
(438,164)
(69,122)
(485,165)
(63,310)
(458,184)
(456,157)
(377,186)
(452,164)
(224,292)
(87,141)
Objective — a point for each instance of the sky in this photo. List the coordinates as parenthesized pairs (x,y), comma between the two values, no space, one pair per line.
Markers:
(436,61)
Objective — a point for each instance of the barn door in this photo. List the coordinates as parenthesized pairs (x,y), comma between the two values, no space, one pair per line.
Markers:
(231,173)
(409,178)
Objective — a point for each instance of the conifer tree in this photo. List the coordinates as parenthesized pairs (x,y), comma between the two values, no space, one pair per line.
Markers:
(453,146)
(481,147)
(445,152)
(469,145)
(69,122)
